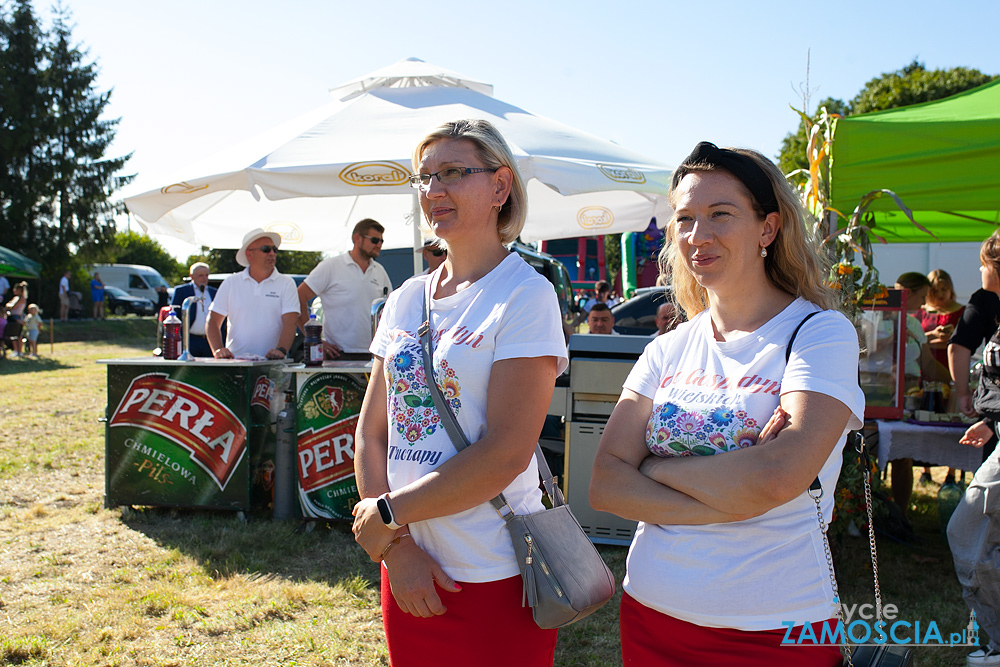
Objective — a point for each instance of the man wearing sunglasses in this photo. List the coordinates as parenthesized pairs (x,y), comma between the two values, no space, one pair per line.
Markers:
(260,303)
(347,285)
(434,255)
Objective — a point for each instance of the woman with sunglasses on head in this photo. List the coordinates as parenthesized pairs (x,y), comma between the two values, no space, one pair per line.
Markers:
(716,439)
(451,590)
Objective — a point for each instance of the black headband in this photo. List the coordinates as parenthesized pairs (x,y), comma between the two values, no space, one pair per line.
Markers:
(739,165)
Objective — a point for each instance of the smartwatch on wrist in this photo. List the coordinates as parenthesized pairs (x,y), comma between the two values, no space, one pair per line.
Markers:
(386,512)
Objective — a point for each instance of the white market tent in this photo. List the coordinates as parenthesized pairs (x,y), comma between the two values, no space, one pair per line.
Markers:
(313,178)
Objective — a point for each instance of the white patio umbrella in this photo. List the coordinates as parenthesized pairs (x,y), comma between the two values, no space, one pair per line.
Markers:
(313,178)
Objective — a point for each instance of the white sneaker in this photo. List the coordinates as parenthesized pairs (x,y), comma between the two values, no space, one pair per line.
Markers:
(981,658)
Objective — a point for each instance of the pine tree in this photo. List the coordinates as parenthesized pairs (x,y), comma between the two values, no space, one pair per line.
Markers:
(56,183)
(23,114)
(83,180)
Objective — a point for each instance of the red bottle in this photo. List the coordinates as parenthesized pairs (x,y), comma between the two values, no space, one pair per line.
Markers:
(171,336)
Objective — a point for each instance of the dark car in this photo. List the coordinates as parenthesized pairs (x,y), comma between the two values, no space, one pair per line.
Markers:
(120,302)
(637,316)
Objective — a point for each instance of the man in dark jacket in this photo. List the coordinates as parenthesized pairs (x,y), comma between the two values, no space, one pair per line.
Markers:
(197,311)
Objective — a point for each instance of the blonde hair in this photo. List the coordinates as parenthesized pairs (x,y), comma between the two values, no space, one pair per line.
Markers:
(493,152)
(793,263)
(942,287)
(989,252)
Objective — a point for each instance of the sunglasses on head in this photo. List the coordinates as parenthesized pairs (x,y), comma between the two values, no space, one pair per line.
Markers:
(265,249)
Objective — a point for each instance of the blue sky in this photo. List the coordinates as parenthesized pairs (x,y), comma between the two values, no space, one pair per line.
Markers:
(191,78)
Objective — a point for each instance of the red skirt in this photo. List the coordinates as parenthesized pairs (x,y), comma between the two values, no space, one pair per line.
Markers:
(485,625)
(652,639)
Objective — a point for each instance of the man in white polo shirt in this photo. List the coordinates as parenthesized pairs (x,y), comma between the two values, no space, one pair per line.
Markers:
(260,303)
(347,285)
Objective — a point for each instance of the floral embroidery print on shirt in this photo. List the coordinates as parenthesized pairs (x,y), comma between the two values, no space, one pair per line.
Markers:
(410,398)
(673,431)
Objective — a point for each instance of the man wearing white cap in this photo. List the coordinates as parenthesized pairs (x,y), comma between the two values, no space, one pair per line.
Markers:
(261,304)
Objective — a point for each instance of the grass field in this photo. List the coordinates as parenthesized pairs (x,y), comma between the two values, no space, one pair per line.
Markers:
(84,585)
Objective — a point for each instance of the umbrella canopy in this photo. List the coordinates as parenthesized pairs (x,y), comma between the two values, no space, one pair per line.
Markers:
(17,265)
(350,159)
(942,158)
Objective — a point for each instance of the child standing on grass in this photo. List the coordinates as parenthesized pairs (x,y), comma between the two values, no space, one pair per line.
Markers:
(32,327)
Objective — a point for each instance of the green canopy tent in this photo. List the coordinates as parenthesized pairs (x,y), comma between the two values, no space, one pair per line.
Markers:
(16,265)
(942,158)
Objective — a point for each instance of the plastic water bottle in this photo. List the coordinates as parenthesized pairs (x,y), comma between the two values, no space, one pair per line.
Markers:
(171,336)
(314,342)
(949,496)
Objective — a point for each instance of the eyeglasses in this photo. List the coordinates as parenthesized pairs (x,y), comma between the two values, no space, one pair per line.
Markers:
(445,176)
(375,240)
(265,249)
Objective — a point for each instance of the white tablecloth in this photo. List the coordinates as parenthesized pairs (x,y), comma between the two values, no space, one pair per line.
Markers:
(936,445)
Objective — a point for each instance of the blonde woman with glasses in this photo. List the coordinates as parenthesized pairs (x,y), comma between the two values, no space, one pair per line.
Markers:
(451,590)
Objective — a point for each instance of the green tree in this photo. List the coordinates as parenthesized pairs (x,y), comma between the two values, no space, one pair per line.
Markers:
(133,248)
(23,110)
(56,184)
(912,84)
(83,180)
(915,84)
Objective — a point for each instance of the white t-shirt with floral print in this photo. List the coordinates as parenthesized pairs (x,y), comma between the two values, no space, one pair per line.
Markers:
(512,312)
(710,398)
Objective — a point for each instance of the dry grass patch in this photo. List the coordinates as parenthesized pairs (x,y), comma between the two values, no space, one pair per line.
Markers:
(81,585)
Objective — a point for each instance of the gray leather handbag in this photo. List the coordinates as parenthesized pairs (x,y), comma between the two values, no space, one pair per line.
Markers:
(563,575)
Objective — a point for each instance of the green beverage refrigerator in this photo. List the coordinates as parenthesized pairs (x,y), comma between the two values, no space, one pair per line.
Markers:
(193,434)
(327,404)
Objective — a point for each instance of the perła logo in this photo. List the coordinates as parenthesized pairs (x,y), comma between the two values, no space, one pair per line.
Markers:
(595,217)
(326,456)
(622,174)
(366,174)
(263,391)
(188,416)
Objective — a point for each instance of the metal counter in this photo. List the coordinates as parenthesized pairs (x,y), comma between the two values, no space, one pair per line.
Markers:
(598,367)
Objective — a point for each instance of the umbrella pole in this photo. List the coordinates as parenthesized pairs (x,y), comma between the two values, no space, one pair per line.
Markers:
(418,263)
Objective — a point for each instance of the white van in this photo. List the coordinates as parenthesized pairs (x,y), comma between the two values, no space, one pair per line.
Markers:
(136,279)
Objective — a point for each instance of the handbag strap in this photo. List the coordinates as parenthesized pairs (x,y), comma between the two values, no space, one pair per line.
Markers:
(454,430)
(815,492)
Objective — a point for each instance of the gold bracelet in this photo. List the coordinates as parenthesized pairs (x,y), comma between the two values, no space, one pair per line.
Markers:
(391,545)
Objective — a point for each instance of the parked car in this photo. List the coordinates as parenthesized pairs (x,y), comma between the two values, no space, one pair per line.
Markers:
(637,316)
(120,302)
(552,270)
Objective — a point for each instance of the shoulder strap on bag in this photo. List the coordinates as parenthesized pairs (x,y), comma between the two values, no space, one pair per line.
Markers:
(454,430)
(815,486)
(788,348)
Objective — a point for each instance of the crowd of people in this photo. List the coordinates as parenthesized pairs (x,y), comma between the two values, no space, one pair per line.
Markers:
(742,401)
(20,321)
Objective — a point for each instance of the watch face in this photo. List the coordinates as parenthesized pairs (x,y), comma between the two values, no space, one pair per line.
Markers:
(384,511)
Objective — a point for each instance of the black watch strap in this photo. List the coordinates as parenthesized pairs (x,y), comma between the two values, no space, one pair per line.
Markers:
(386,512)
